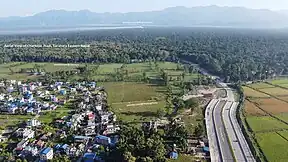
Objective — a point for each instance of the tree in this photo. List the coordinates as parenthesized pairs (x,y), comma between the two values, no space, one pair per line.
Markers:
(191,104)
(199,130)
(128,157)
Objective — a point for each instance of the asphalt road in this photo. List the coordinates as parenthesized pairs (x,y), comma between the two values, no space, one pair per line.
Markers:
(225,151)
(210,127)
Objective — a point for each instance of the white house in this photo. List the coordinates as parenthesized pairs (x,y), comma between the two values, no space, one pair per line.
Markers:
(33,123)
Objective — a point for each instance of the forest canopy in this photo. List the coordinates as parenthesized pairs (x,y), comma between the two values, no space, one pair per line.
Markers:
(235,54)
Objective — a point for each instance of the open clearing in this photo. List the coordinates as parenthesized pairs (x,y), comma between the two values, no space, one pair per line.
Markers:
(265,123)
(252,110)
(130,91)
(261,85)
(249,92)
(272,105)
(137,113)
(273,146)
(275,91)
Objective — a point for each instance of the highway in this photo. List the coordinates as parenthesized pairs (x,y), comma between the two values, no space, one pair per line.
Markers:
(226,140)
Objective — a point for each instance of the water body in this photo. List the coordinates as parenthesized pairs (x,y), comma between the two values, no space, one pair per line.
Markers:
(63,29)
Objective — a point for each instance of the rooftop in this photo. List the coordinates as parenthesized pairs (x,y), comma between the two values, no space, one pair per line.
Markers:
(45,150)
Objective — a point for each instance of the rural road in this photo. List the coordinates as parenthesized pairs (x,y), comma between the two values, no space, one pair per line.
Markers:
(222,127)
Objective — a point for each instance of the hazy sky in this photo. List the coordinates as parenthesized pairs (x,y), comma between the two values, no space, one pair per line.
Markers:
(30,7)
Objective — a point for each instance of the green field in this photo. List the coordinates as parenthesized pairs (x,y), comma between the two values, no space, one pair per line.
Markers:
(280,81)
(265,123)
(131,91)
(136,112)
(12,120)
(49,116)
(283,116)
(273,146)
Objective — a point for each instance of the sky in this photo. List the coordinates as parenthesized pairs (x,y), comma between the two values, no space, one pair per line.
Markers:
(31,7)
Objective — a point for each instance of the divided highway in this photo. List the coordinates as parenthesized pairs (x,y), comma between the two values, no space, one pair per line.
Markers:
(226,140)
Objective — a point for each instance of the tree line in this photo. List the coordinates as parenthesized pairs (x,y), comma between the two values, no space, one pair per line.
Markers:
(234,54)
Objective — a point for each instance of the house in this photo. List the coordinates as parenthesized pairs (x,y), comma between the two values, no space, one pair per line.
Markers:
(91,157)
(46,154)
(111,129)
(103,140)
(26,133)
(39,143)
(173,155)
(29,150)
(81,139)
(33,123)
(22,144)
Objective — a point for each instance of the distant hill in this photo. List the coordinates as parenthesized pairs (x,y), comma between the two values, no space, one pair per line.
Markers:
(175,16)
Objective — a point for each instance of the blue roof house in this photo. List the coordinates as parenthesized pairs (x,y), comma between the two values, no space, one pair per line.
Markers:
(91,157)
(103,140)
(46,154)
(173,155)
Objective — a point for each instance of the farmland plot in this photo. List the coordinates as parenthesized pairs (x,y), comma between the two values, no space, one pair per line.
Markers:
(273,146)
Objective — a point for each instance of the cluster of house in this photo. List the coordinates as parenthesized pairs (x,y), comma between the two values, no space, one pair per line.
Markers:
(29,146)
(31,97)
(94,124)
(91,123)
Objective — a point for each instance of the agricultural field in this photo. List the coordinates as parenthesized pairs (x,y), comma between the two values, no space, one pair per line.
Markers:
(268,131)
(272,105)
(252,110)
(261,85)
(277,91)
(249,92)
(273,146)
(283,117)
(265,123)
(279,81)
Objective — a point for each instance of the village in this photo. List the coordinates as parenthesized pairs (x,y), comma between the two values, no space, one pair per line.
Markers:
(91,122)
(83,134)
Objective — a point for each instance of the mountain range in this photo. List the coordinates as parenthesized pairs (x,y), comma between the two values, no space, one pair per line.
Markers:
(174,16)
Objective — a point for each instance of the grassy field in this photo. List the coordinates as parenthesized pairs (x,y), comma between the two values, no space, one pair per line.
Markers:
(273,146)
(252,93)
(279,81)
(265,123)
(12,120)
(136,112)
(49,116)
(130,91)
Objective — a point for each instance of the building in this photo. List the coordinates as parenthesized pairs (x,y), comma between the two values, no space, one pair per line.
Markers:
(91,157)
(25,133)
(103,140)
(173,155)
(33,123)
(111,129)
(81,139)
(46,154)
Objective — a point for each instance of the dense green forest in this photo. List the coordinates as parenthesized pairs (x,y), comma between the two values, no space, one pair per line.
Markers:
(235,54)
